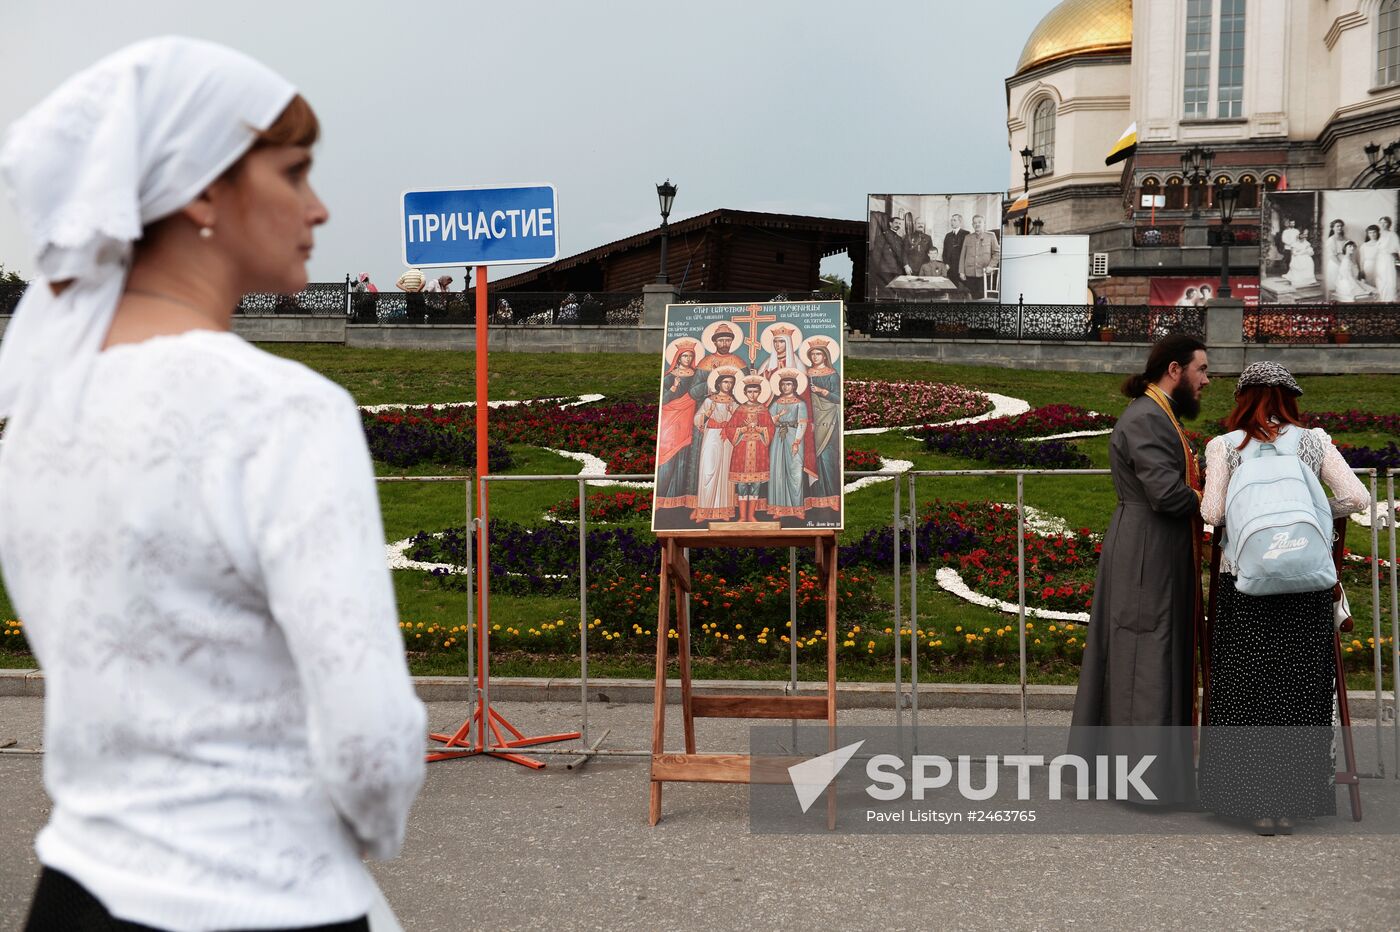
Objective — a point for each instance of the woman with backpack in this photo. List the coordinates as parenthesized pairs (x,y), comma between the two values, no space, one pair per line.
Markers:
(1271,648)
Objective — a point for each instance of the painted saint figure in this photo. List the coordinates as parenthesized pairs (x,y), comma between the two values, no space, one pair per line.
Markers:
(783,351)
(749,430)
(674,448)
(786,480)
(723,356)
(824,388)
(714,490)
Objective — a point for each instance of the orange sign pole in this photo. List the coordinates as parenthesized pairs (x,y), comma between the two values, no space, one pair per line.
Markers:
(459,744)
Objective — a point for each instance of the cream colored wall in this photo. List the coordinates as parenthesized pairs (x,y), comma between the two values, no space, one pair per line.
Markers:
(1158,81)
(1347,36)
(1307,64)
(1092,110)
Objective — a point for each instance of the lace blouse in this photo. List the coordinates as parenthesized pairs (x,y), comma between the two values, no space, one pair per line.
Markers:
(1317,452)
(199,564)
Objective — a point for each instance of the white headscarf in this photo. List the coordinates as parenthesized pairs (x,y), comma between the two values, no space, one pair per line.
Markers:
(130,140)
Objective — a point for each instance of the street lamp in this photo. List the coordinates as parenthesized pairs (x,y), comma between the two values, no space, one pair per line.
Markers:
(1037,225)
(1034,166)
(1384,162)
(1226,197)
(1195,165)
(665,193)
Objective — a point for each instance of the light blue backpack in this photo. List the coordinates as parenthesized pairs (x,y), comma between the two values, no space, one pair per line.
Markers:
(1278,523)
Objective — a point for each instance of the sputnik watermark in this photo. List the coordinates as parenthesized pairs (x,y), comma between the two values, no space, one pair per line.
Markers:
(934,772)
(1111,780)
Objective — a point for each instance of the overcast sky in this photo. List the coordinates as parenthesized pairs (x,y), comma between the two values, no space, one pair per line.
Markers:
(793,106)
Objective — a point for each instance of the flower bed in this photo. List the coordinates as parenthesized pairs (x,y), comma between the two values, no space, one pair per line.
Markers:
(623,433)
(1005,451)
(1060,568)
(1039,422)
(897,404)
(862,460)
(604,507)
(750,605)
(410,439)
(1382,458)
(1342,422)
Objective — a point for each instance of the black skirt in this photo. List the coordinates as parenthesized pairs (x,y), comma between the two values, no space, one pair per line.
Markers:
(61,904)
(1268,751)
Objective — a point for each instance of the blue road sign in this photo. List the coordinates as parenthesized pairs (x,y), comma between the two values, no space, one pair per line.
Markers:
(480,226)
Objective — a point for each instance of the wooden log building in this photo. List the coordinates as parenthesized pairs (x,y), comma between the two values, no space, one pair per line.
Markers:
(723,250)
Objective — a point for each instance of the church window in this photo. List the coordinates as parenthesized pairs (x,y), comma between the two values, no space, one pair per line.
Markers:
(1043,132)
(1230,90)
(1176,193)
(1388,44)
(1249,193)
(1196,102)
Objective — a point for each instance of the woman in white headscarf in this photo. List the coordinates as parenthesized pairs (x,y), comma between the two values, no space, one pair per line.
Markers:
(188,526)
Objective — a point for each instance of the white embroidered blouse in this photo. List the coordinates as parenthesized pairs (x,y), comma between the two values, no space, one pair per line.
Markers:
(1317,452)
(199,565)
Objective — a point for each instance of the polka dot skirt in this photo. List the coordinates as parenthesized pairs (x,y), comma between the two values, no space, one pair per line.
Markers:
(1272,665)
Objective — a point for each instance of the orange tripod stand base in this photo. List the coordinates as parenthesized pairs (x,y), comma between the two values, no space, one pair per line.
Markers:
(460,744)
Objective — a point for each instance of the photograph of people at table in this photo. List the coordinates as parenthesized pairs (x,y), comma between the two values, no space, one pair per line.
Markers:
(934,247)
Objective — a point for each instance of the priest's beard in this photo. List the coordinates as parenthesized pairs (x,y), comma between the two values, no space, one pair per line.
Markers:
(1185,401)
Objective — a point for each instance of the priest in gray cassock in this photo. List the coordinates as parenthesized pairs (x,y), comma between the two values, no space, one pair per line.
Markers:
(1136,675)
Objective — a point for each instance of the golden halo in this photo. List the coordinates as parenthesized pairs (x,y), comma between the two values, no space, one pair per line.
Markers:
(781,374)
(723,370)
(765,339)
(707,337)
(673,348)
(832,347)
(765,391)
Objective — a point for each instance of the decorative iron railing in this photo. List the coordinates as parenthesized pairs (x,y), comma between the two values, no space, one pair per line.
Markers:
(319,299)
(752,297)
(951,320)
(1157,236)
(507,308)
(1322,323)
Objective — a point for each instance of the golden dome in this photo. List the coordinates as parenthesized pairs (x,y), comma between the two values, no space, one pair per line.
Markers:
(1076,27)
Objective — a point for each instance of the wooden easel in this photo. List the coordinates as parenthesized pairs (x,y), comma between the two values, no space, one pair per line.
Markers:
(732,768)
(1348,777)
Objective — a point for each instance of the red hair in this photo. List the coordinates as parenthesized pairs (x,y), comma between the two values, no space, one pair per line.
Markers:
(296,126)
(1257,407)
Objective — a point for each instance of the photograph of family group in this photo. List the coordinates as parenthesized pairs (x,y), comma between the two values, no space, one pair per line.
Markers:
(934,247)
(749,435)
(1329,246)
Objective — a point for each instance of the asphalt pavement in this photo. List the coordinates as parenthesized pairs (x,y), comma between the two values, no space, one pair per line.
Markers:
(492,845)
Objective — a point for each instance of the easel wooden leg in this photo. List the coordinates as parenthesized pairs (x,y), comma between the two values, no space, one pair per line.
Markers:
(658,722)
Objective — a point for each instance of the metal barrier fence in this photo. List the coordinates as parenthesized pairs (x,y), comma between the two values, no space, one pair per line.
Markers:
(955,320)
(904,519)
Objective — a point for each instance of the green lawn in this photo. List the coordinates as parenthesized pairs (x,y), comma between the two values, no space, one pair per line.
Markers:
(420,377)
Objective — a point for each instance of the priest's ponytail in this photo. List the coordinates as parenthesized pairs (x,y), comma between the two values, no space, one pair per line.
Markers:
(1176,348)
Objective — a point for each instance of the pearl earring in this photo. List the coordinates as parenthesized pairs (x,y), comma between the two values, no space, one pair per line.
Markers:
(206,232)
